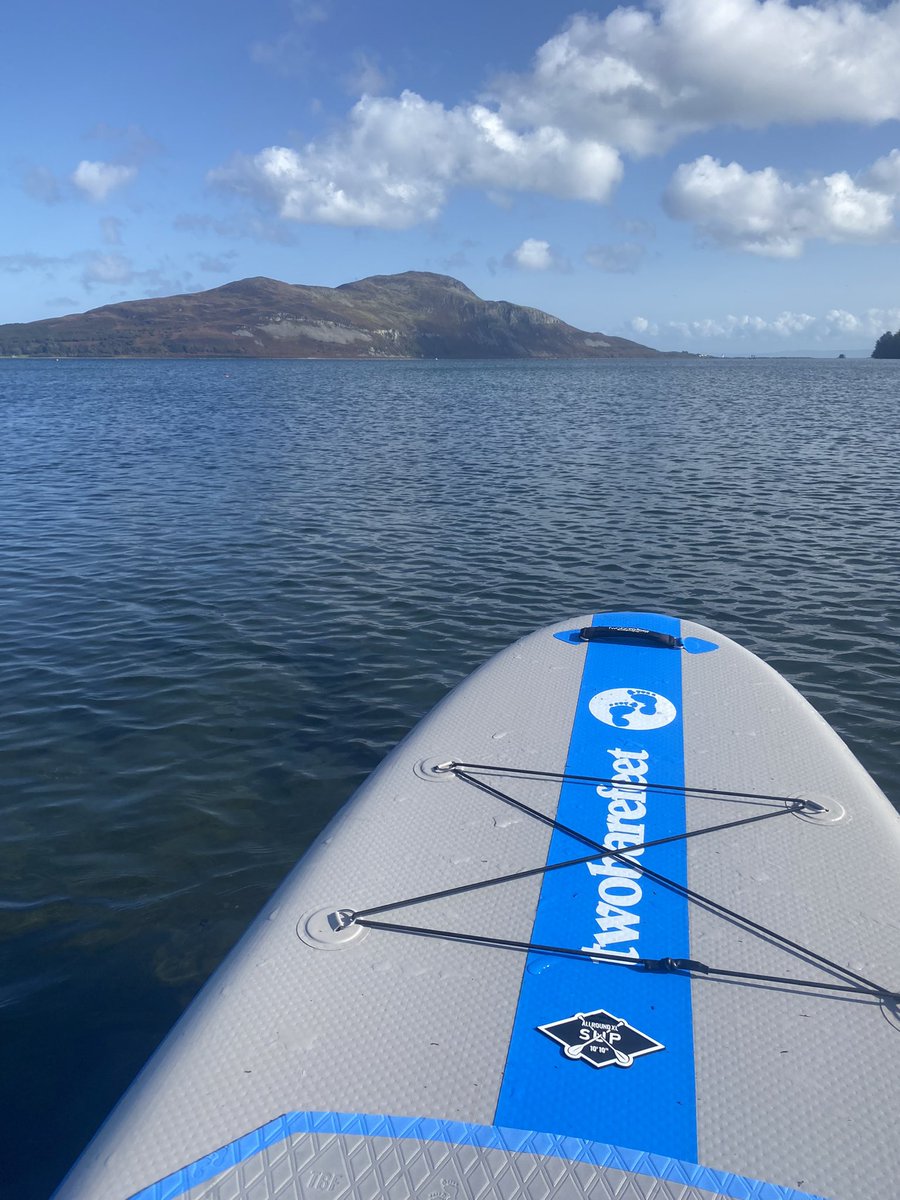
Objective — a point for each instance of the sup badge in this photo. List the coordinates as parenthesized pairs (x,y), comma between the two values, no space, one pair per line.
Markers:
(600,1039)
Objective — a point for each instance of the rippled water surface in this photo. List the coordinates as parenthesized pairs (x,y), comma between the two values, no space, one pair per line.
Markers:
(229,588)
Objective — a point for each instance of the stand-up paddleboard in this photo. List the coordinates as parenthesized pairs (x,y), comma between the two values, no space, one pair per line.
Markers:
(620,918)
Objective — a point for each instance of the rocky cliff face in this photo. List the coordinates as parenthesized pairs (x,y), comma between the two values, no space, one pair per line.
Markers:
(412,315)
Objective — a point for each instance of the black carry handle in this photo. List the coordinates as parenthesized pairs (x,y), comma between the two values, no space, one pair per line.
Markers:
(630,635)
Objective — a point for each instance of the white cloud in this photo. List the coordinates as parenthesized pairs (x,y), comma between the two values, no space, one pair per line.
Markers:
(641,325)
(641,79)
(533,255)
(393,163)
(98,179)
(839,320)
(829,327)
(632,82)
(760,212)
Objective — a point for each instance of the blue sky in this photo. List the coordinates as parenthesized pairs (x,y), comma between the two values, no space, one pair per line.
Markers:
(712,175)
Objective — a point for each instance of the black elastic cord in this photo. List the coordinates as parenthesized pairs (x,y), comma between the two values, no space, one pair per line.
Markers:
(569,862)
(678,788)
(680,888)
(860,986)
(680,966)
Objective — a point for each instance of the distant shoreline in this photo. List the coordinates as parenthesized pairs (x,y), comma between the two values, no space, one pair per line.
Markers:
(654,357)
(657,354)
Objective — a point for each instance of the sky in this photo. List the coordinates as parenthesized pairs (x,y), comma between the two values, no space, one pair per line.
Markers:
(720,176)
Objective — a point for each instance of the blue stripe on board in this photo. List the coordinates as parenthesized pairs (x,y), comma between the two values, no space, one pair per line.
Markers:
(650,1104)
(456,1133)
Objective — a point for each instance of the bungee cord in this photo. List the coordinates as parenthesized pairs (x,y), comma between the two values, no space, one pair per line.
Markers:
(855,983)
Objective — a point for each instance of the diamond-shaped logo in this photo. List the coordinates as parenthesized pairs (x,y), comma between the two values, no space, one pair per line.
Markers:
(600,1039)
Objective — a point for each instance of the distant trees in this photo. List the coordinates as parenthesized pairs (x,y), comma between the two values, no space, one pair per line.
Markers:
(887,346)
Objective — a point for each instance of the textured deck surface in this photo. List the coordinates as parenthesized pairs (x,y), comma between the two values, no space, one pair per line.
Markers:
(310,1154)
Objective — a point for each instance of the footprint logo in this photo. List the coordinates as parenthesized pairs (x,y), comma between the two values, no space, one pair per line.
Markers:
(632,708)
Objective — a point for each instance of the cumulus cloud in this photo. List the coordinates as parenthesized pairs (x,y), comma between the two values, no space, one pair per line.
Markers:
(92,178)
(97,179)
(641,325)
(534,255)
(393,163)
(629,83)
(761,212)
(828,327)
(641,78)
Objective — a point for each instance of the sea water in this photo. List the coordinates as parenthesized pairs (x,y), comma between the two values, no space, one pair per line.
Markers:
(228,588)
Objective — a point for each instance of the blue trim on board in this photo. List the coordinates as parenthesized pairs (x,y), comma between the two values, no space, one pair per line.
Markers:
(456,1133)
(627,726)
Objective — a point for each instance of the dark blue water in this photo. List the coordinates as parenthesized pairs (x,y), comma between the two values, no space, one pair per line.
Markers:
(229,588)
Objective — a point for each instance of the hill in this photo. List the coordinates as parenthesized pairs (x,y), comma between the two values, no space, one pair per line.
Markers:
(412,315)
